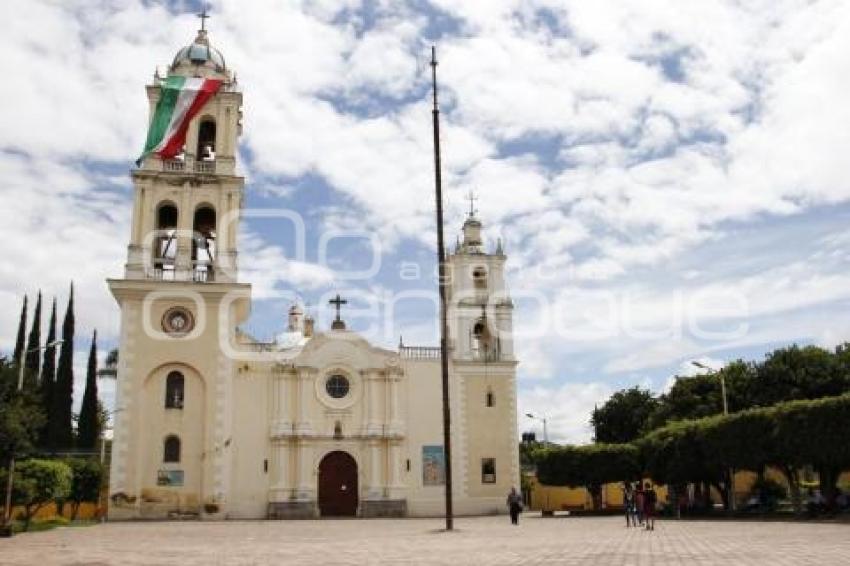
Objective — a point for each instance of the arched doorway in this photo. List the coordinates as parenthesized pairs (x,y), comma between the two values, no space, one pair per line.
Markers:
(338,485)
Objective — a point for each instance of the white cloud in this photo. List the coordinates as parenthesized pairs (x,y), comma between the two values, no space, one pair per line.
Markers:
(665,128)
(566,407)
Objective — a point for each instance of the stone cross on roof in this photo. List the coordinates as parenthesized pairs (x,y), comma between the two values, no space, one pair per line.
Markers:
(338,323)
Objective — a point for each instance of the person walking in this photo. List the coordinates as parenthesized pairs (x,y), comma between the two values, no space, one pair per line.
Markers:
(650,499)
(629,504)
(514,505)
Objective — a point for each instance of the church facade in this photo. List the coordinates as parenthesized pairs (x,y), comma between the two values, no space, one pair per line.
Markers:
(320,422)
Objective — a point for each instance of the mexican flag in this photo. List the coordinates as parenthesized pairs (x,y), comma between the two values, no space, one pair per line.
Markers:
(181,99)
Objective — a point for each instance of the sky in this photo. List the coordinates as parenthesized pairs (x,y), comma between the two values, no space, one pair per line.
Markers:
(669,179)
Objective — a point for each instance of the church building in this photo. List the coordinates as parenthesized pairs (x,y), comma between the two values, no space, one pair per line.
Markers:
(212,423)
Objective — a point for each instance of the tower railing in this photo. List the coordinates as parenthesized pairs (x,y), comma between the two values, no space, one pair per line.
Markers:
(188,163)
(205,167)
(419,352)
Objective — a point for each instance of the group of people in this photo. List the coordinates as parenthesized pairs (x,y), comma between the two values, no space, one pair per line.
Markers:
(639,502)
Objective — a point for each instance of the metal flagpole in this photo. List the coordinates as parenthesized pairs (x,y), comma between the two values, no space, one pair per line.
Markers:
(441,258)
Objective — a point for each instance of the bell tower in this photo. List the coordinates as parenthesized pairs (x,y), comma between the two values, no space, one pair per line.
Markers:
(483,367)
(481,312)
(179,297)
(187,201)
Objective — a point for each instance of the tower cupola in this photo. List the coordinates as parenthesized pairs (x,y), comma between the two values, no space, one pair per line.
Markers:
(199,58)
(472,235)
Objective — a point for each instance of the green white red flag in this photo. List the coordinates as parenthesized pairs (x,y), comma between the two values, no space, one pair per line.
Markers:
(180,100)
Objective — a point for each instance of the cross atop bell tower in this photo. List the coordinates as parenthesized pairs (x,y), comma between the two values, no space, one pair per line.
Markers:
(470,196)
(204,17)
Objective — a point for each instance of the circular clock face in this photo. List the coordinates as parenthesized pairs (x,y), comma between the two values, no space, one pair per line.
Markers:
(178,321)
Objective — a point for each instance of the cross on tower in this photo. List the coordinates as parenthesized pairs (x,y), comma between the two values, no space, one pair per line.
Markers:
(204,16)
(472,198)
(338,302)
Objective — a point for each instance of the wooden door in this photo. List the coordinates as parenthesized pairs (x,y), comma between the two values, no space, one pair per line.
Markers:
(338,485)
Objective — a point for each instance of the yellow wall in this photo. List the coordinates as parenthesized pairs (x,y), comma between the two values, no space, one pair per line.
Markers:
(87,511)
(561,498)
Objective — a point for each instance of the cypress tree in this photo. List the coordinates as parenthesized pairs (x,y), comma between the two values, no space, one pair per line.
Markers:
(48,377)
(32,358)
(88,428)
(61,428)
(22,333)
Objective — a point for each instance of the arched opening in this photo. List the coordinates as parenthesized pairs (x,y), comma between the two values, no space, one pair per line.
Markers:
(171,450)
(174,385)
(484,347)
(165,244)
(206,140)
(203,243)
(338,485)
(479,278)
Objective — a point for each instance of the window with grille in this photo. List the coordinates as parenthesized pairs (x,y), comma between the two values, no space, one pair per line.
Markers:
(488,470)
(337,386)
(171,450)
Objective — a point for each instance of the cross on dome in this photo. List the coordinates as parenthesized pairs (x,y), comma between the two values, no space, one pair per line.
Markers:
(204,16)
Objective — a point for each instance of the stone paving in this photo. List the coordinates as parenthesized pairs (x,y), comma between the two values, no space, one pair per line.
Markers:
(483,540)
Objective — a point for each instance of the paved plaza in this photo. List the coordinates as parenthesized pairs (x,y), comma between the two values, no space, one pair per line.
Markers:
(486,540)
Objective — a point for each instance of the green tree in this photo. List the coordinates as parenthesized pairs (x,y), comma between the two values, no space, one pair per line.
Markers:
(793,373)
(37,483)
(701,395)
(89,422)
(87,475)
(61,427)
(21,415)
(590,466)
(624,417)
(678,454)
(32,358)
(22,333)
(48,379)
(815,432)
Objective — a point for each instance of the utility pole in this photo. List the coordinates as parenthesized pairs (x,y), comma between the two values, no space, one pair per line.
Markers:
(441,259)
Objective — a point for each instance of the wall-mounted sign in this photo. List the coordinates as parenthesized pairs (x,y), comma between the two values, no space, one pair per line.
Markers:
(173,478)
(433,465)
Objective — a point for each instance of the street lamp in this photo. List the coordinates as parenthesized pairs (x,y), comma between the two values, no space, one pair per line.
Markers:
(712,371)
(7,516)
(545,431)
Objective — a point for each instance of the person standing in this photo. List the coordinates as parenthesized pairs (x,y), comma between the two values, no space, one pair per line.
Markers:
(640,502)
(514,505)
(629,504)
(650,499)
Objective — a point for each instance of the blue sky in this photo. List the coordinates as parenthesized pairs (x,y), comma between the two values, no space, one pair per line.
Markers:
(669,181)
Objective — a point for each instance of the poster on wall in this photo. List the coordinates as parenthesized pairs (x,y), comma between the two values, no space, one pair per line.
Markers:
(170,477)
(433,465)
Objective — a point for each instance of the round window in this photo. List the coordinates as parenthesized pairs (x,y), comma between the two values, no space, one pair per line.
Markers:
(337,386)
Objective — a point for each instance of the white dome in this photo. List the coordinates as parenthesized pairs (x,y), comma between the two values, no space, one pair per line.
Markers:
(200,52)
